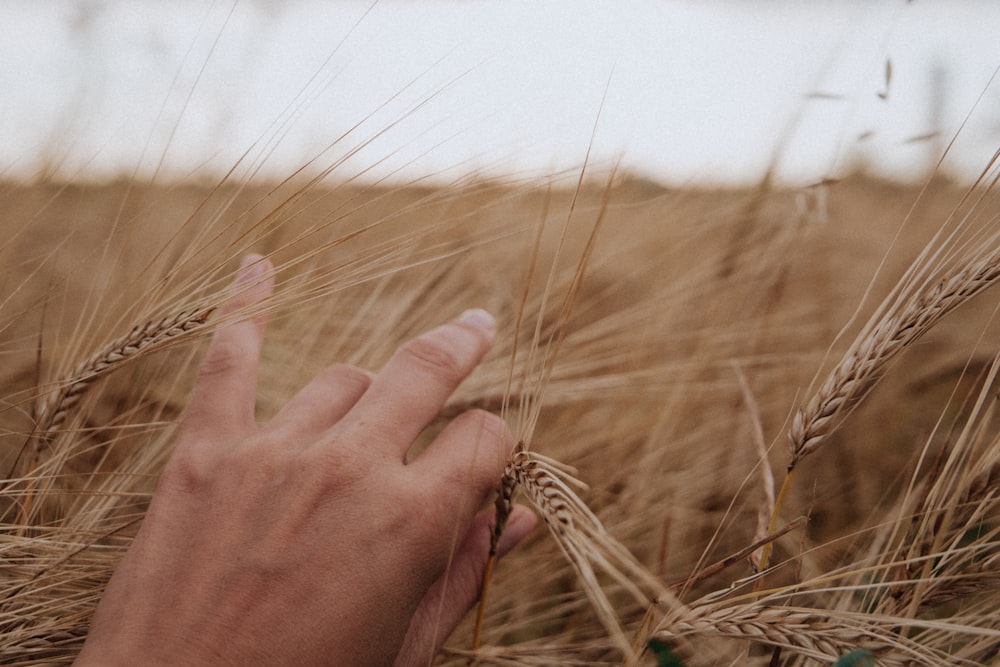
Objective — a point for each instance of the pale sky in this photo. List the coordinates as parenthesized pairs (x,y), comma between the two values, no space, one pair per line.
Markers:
(692,91)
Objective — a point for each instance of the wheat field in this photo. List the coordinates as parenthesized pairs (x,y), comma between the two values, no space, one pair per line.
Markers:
(675,351)
(759,423)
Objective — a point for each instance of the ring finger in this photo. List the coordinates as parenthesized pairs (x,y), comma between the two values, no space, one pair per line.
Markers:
(324,401)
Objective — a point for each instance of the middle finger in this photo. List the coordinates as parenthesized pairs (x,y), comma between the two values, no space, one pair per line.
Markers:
(412,387)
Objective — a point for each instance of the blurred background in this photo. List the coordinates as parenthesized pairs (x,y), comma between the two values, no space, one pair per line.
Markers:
(713,92)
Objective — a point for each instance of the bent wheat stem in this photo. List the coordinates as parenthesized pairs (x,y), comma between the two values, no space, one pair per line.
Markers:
(54,408)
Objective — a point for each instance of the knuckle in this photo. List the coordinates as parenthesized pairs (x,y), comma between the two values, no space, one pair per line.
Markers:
(492,426)
(185,474)
(344,376)
(340,465)
(490,429)
(434,355)
(223,358)
(468,462)
(492,445)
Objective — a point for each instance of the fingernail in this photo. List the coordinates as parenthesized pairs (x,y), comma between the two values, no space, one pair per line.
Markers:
(480,319)
(252,267)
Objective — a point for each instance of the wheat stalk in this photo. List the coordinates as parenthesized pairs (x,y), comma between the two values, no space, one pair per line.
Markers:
(949,548)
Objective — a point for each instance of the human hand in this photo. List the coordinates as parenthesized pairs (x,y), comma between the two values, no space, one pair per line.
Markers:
(308,540)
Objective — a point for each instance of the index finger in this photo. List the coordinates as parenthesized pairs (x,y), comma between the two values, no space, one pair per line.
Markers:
(225,393)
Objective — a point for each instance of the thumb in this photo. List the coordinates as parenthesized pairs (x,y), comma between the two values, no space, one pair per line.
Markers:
(453,594)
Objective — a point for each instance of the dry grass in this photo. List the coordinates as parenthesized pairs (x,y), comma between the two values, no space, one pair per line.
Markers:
(657,353)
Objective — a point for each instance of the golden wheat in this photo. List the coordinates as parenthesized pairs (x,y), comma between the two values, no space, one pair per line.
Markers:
(642,378)
(54,407)
(867,358)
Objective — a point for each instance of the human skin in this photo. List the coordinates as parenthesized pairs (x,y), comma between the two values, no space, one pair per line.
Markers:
(310,540)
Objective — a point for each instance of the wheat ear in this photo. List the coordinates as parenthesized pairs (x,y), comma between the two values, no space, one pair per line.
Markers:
(584,541)
(818,634)
(54,407)
(865,361)
(908,313)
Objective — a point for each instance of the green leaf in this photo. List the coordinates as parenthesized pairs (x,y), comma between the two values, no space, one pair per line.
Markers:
(856,658)
(664,656)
